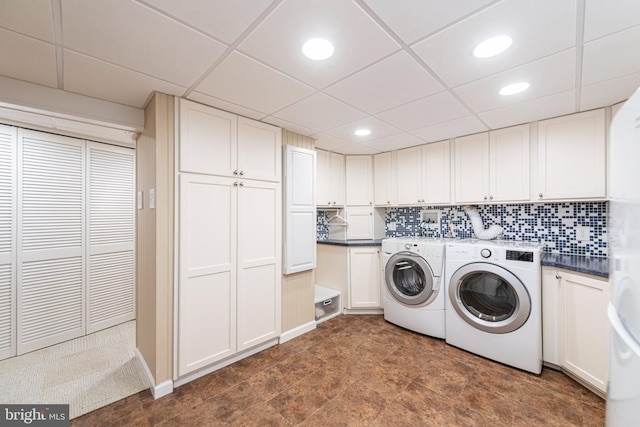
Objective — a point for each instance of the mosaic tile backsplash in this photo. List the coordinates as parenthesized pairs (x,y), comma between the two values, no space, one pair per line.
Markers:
(552,224)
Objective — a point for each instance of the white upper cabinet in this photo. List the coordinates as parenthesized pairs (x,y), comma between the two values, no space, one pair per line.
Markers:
(493,166)
(215,142)
(436,173)
(384,177)
(409,176)
(359,180)
(331,179)
(572,157)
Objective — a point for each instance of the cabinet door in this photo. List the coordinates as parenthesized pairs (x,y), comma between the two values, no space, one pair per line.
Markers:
(572,157)
(8,141)
(207,140)
(207,280)
(337,179)
(550,325)
(259,269)
(384,179)
(409,172)
(323,178)
(436,173)
(361,222)
(584,328)
(509,164)
(359,180)
(259,150)
(364,277)
(472,168)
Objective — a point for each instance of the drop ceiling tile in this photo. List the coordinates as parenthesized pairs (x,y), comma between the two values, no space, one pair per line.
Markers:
(133,36)
(608,92)
(459,127)
(358,149)
(224,105)
(319,112)
(554,105)
(437,108)
(394,142)
(98,79)
(538,28)
(553,74)
(378,129)
(33,18)
(414,19)
(358,40)
(244,81)
(394,81)
(604,17)
(330,143)
(28,59)
(611,57)
(222,19)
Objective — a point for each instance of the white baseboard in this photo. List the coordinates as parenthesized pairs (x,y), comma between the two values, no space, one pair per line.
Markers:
(296,332)
(157,390)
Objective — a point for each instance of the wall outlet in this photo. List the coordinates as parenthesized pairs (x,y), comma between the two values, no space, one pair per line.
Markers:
(392,226)
(582,234)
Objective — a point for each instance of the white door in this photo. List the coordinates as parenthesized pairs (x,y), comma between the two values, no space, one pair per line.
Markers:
(207,140)
(207,258)
(8,141)
(111,234)
(436,173)
(364,277)
(472,168)
(300,209)
(259,150)
(51,266)
(509,164)
(359,180)
(259,269)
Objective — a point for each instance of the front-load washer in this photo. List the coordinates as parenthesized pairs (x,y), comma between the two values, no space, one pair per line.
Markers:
(494,303)
(412,293)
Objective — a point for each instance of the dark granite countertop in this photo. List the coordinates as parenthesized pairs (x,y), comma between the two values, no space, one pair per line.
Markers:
(336,242)
(596,266)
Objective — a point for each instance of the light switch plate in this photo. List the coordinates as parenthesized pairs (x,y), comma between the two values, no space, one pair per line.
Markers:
(140,197)
(152,198)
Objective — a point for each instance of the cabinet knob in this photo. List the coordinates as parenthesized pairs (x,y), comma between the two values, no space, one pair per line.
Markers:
(558,276)
(388,202)
(418,200)
(241,184)
(370,203)
(540,195)
(485,197)
(235,184)
(422,200)
(490,197)
(241,173)
(235,172)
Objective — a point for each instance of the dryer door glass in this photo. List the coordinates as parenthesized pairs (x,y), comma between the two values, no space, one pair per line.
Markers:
(489,298)
(409,279)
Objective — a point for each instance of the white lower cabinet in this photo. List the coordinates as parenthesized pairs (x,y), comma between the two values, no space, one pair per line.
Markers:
(575,306)
(364,277)
(229,280)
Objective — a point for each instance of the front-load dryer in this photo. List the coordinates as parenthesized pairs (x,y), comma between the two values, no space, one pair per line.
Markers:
(412,293)
(494,301)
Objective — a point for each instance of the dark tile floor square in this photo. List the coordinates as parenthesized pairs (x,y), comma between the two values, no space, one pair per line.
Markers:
(359,371)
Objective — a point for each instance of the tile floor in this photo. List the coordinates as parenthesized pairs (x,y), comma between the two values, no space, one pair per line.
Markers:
(361,370)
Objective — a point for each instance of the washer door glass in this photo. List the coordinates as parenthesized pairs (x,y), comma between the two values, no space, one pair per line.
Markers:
(409,279)
(489,298)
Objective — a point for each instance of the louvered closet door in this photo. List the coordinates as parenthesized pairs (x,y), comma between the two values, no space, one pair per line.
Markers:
(8,142)
(110,218)
(50,239)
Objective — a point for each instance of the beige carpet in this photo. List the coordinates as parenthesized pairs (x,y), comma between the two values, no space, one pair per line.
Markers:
(87,373)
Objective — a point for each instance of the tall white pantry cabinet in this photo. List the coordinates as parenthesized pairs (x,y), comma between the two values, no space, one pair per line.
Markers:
(229,235)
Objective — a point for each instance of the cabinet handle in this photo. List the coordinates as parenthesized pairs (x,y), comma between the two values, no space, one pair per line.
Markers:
(418,200)
(490,197)
(485,197)
(370,203)
(540,195)
(370,213)
(235,172)
(558,277)
(235,184)
(241,173)
(241,184)
(388,202)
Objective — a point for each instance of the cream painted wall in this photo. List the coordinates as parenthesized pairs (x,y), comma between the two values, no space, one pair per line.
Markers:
(154,243)
(297,289)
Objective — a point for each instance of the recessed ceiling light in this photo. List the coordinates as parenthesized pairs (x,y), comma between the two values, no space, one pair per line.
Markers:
(492,47)
(317,49)
(514,88)
(363,132)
